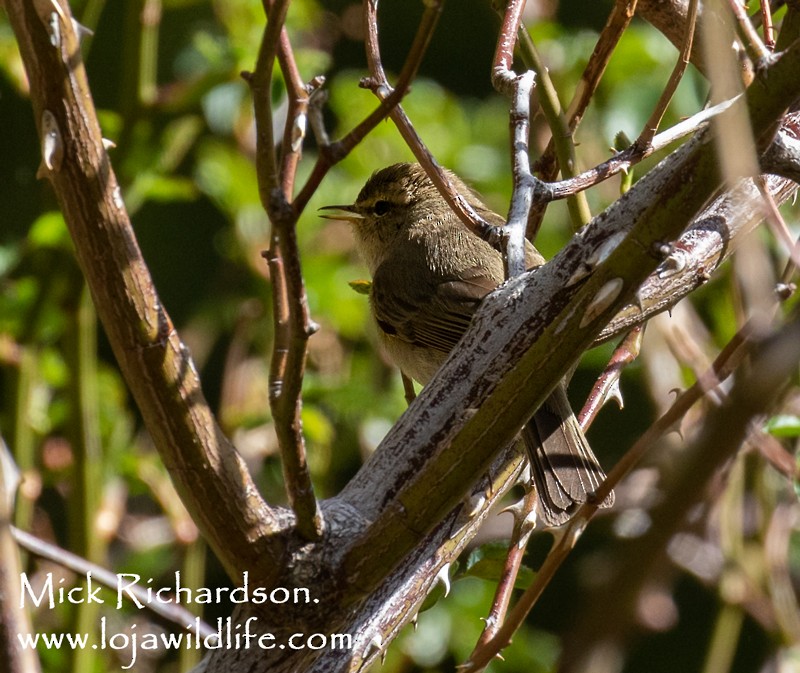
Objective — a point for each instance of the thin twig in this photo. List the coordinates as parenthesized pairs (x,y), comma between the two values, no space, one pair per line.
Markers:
(755,47)
(172,612)
(519,88)
(562,135)
(295,129)
(766,22)
(379,85)
(14,618)
(616,25)
(651,127)
(607,385)
(293,325)
(622,161)
(523,527)
(260,82)
(331,153)
(547,166)
(777,224)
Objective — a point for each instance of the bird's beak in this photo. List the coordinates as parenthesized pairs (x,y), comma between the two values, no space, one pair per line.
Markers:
(347,214)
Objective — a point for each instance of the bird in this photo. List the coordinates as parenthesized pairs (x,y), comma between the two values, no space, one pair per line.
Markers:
(429,275)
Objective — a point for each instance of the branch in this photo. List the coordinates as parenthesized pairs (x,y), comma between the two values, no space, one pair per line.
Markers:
(670,18)
(612,32)
(652,124)
(607,385)
(562,140)
(331,153)
(209,474)
(631,156)
(400,595)
(519,88)
(169,612)
(713,237)
(379,85)
(293,325)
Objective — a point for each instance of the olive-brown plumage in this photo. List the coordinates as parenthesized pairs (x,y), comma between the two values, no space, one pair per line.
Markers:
(429,273)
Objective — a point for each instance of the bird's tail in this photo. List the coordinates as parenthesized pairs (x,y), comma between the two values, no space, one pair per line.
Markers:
(565,471)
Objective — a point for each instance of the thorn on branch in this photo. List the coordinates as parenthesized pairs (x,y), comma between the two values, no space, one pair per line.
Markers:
(52,144)
(607,385)
(673,264)
(474,504)
(785,290)
(374,645)
(595,258)
(81,31)
(443,578)
(602,300)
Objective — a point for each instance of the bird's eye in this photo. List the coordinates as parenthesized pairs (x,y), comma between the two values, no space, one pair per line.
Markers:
(381,208)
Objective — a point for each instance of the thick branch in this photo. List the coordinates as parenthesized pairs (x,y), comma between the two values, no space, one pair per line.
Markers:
(208,472)
(714,237)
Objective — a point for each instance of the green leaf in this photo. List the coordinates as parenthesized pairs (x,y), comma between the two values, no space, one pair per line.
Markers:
(49,231)
(783,425)
(488,560)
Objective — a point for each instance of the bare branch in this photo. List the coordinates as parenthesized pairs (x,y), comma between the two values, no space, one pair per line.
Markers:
(766,22)
(562,136)
(631,156)
(547,166)
(519,88)
(293,325)
(607,386)
(14,619)
(379,85)
(331,153)
(755,47)
(524,518)
(172,612)
(651,127)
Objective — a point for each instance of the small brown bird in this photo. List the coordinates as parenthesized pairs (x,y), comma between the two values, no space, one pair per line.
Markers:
(429,273)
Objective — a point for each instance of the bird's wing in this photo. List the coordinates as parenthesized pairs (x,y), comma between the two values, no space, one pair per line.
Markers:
(432,314)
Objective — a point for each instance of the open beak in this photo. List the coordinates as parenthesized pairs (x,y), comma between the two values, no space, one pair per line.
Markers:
(346,214)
